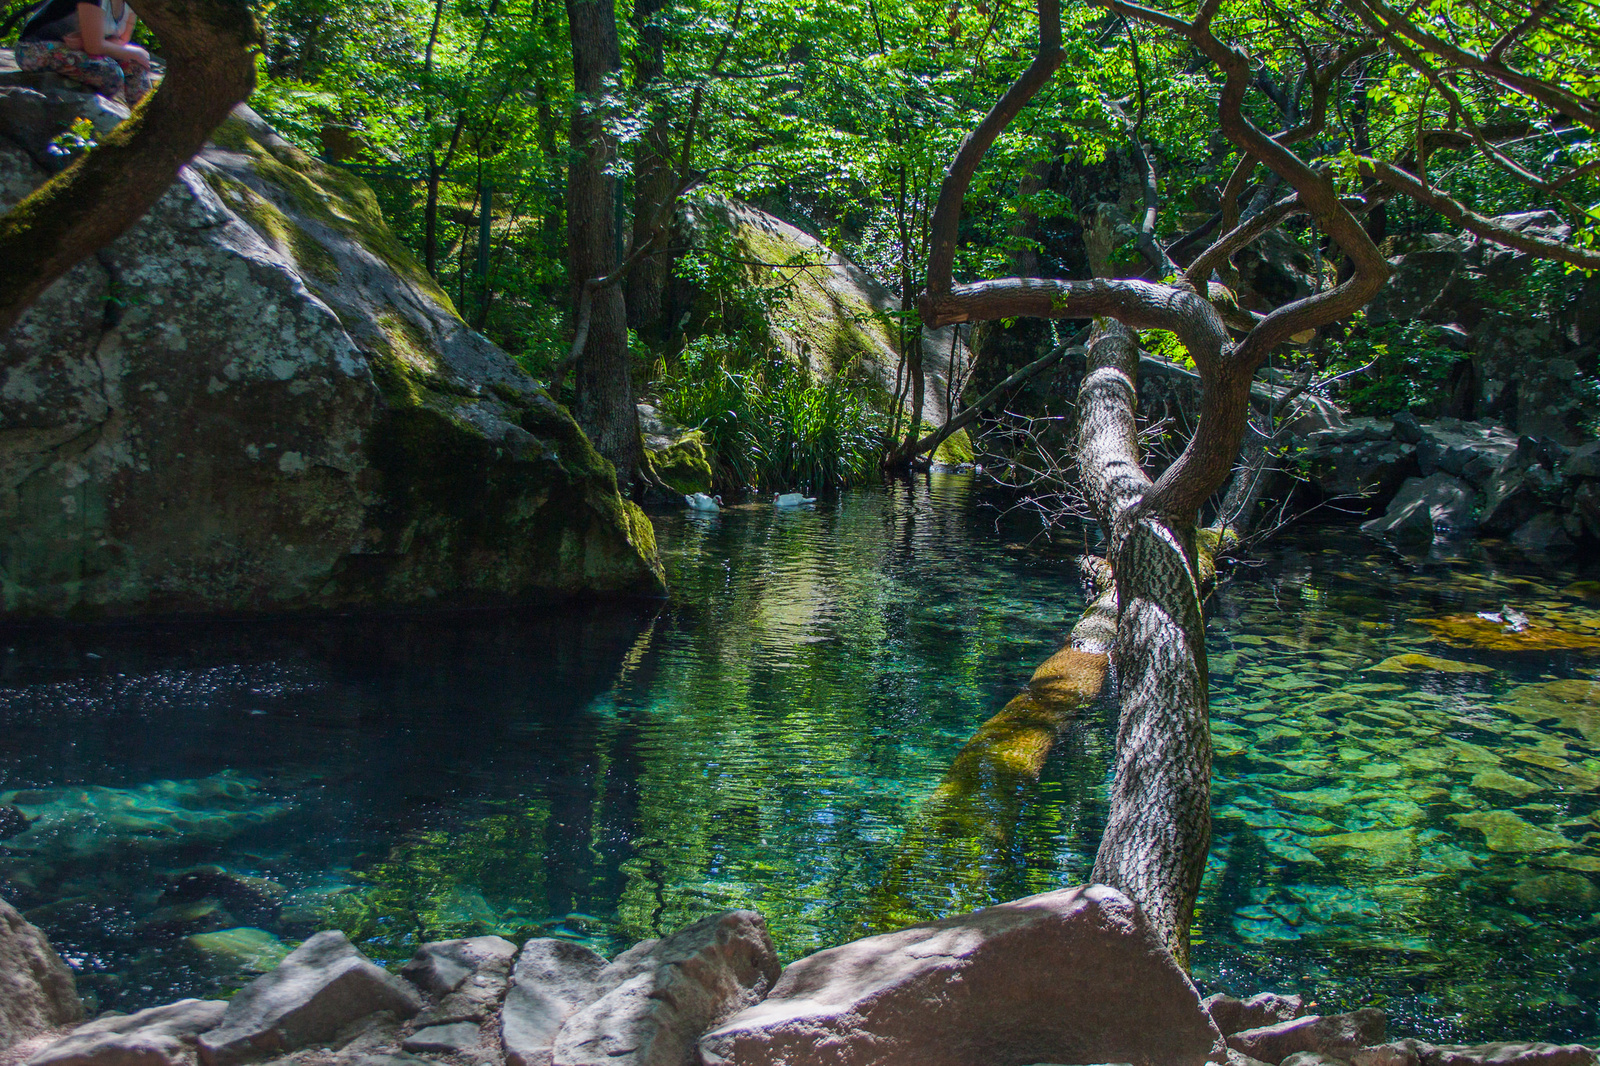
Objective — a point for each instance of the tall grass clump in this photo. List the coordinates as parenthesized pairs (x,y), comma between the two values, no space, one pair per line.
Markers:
(773,426)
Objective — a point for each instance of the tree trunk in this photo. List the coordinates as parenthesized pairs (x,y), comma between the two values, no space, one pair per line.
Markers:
(653,179)
(1158,829)
(603,401)
(210,69)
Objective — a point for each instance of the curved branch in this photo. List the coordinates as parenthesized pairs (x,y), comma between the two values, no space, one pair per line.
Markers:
(1390,24)
(958,177)
(1483,226)
(210,68)
(1133,302)
(1199,272)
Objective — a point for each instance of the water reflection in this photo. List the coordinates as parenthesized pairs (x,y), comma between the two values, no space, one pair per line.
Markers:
(1389,829)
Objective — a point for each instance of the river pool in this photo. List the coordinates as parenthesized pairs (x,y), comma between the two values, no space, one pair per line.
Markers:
(1415,834)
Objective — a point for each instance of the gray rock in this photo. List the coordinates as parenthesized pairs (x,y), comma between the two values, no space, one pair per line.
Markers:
(1517,491)
(441,967)
(552,979)
(160,1036)
(1400,1053)
(1265,1008)
(323,986)
(1426,508)
(279,410)
(1333,1034)
(1074,976)
(1467,450)
(1312,1058)
(680,987)
(1583,462)
(1361,467)
(1544,532)
(1507,1054)
(1586,504)
(450,1039)
(36,988)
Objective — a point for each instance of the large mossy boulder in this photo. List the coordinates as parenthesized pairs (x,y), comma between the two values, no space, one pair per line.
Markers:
(257,400)
(832,317)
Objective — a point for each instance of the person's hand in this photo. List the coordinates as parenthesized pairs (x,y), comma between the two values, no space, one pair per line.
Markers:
(137,56)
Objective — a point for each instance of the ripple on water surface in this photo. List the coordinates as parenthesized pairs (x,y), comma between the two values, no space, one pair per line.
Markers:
(1405,812)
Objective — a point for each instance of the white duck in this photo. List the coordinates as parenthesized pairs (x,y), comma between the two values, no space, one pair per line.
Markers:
(791,499)
(701,502)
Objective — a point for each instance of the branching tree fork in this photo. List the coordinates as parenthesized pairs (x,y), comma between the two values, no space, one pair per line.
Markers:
(1158,828)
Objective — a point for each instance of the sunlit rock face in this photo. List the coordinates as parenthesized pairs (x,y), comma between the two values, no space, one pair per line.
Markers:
(257,400)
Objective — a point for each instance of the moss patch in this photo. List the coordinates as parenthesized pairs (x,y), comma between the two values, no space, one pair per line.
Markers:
(278,229)
(332,197)
(682,466)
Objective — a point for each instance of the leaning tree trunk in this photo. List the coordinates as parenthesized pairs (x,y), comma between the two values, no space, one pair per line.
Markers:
(210,69)
(1159,825)
(603,401)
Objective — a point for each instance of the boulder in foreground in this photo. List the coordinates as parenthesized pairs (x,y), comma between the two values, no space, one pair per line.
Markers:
(159,1036)
(667,992)
(1068,976)
(36,988)
(323,986)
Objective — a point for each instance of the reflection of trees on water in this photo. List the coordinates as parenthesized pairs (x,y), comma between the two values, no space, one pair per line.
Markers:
(811,694)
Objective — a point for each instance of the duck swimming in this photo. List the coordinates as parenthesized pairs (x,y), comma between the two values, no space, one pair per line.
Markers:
(791,499)
(701,502)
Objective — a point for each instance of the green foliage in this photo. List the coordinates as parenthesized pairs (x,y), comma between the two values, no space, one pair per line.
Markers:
(774,428)
(1410,368)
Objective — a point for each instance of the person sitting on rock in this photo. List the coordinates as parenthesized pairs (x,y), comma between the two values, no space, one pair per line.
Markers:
(89,43)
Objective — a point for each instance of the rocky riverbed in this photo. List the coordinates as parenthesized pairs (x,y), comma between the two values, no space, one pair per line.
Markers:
(1068,976)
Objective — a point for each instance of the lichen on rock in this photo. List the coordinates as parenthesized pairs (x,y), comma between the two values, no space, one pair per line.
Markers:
(257,400)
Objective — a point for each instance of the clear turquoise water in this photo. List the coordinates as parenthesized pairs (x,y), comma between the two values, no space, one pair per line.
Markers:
(764,738)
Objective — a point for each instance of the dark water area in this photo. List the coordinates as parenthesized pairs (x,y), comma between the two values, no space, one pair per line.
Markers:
(202,795)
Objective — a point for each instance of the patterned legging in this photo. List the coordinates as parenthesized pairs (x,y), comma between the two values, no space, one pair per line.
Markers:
(101,73)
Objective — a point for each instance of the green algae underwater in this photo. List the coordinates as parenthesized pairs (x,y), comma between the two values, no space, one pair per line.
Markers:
(1407,757)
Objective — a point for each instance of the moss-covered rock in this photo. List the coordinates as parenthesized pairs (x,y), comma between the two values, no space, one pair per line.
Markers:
(835,318)
(257,399)
(674,456)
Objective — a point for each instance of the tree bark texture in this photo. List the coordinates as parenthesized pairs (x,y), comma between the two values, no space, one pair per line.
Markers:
(603,402)
(654,179)
(207,45)
(1158,828)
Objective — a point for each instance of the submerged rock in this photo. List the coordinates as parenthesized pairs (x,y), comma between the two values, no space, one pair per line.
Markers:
(1573,704)
(667,993)
(1414,663)
(257,400)
(242,950)
(1491,634)
(93,821)
(1068,976)
(322,986)
(160,1036)
(36,988)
